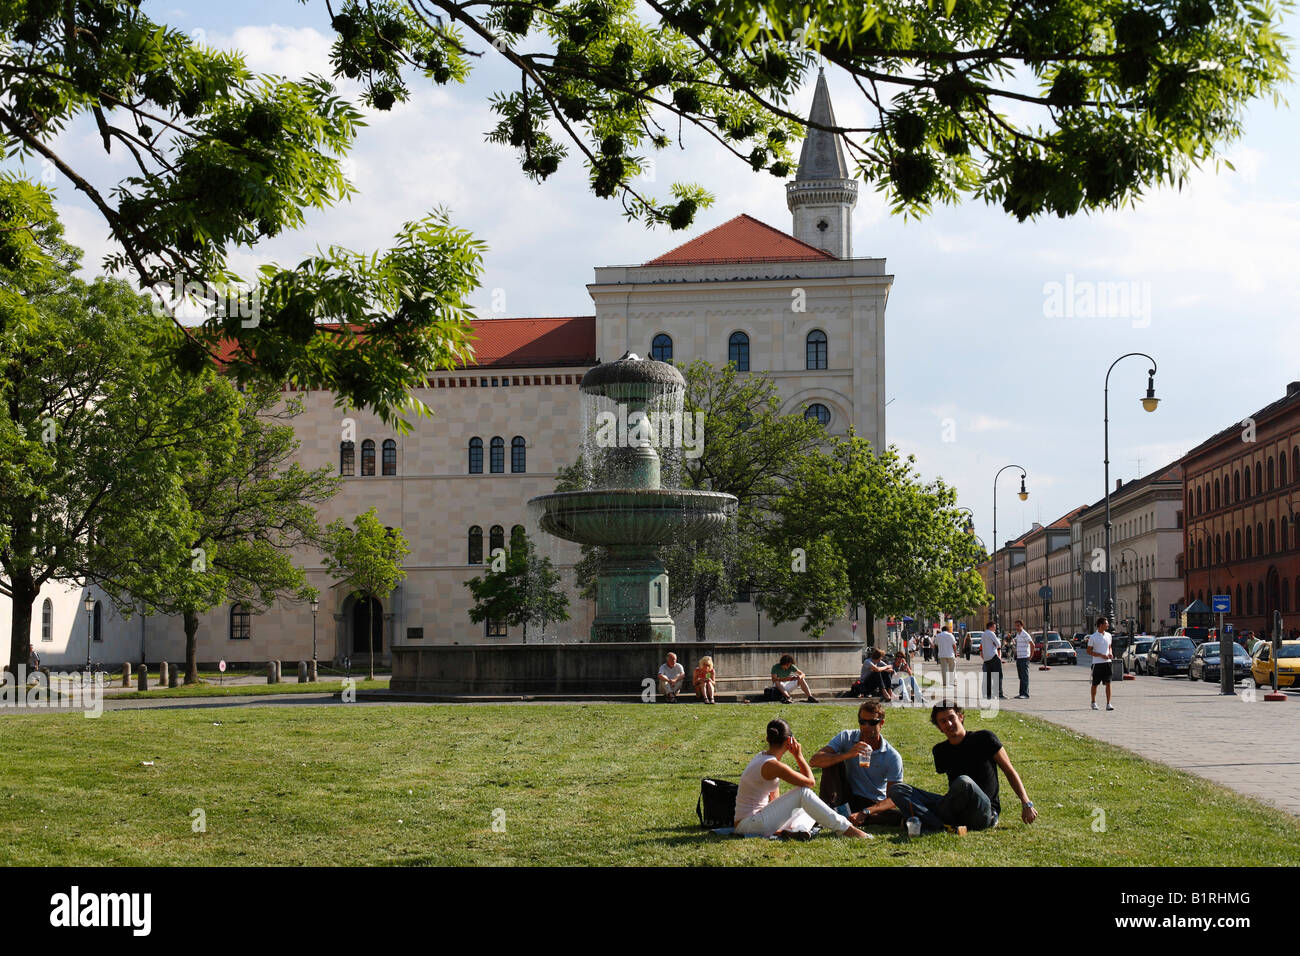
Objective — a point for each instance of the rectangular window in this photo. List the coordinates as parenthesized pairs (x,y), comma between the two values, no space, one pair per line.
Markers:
(495,628)
(494,383)
(415,633)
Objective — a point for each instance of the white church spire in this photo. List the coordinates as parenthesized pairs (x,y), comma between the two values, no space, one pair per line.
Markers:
(822,195)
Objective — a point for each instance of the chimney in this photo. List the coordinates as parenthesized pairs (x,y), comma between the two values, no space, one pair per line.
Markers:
(1292,388)
(1119,482)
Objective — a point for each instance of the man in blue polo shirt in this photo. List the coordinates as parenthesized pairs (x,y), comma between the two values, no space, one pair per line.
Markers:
(867,785)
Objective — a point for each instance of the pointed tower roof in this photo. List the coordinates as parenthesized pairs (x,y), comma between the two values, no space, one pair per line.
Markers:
(822,156)
(742,239)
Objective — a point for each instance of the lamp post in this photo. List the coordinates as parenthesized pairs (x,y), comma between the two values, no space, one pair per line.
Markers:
(1149,402)
(89,605)
(997,623)
(315,606)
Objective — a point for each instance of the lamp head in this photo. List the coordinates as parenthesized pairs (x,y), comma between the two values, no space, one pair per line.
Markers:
(1024,495)
(1149,401)
(89,603)
(315,605)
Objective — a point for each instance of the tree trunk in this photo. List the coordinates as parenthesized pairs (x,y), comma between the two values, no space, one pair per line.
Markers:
(20,628)
(869,622)
(371,608)
(191,647)
(701,609)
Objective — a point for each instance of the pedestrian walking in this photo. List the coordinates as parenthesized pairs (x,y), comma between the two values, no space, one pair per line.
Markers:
(1024,650)
(992,663)
(947,654)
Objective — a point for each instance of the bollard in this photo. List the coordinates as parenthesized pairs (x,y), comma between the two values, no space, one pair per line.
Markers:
(279,677)
(270,672)
(162,674)
(173,676)
(142,677)
(126,674)
(311,671)
(302,672)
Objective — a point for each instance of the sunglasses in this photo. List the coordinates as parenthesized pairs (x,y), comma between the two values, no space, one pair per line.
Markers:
(871,723)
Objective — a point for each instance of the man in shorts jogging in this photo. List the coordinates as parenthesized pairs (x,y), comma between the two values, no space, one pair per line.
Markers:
(1098,648)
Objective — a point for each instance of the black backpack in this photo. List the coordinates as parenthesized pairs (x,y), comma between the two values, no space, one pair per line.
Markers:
(716,806)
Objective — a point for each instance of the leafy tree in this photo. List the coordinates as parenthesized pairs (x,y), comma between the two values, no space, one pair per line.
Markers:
(1111,98)
(526,591)
(252,506)
(896,544)
(366,558)
(96,440)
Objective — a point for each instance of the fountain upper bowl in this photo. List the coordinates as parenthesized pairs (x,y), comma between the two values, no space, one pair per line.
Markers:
(615,516)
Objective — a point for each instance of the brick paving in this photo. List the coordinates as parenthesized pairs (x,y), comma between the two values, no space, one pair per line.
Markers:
(1242,742)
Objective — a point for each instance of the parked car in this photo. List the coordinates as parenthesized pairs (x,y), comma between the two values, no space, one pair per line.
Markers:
(1135,654)
(1205,663)
(1288,664)
(1037,653)
(1060,652)
(1169,655)
(1198,635)
(1079,639)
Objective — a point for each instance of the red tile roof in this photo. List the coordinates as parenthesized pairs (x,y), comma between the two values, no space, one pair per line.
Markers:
(527,343)
(515,343)
(743,239)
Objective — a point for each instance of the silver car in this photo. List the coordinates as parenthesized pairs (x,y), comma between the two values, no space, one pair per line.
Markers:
(1135,654)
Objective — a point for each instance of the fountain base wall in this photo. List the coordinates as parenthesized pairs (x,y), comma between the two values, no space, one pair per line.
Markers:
(606,668)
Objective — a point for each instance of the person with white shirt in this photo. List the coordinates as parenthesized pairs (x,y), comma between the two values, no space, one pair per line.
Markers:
(947,653)
(1024,650)
(989,647)
(1098,648)
(671,674)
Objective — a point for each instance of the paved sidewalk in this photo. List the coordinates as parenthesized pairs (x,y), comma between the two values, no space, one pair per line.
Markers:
(1251,746)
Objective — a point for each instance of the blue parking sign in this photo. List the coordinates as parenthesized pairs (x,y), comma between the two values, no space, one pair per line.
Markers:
(1221,604)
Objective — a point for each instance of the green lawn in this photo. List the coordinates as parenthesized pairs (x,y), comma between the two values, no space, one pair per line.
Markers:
(216,689)
(597,784)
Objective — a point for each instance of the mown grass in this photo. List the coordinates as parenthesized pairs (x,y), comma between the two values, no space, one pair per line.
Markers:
(577,785)
(247,690)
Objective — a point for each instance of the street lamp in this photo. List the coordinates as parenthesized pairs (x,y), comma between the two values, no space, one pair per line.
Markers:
(89,605)
(1149,402)
(997,624)
(315,606)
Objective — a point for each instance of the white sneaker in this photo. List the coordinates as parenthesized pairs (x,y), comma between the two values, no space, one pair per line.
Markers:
(1094,706)
(1109,707)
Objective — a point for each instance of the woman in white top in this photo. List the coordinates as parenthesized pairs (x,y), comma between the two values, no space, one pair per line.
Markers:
(759,809)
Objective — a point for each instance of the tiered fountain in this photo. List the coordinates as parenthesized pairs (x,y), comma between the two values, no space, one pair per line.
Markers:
(625,509)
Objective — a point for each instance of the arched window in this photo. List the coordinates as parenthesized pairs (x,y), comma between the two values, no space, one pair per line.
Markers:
(1237,552)
(1259,488)
(497,456)
(518,537)
(1281,469)
(1250,599)
(1270,472)
(661,348)
(1199,508)
(476,456)
(1250,551)
(1272,536)
(1236,486)
(1259,539)
(1218,549)
(240,627)
(738,351)
(496,539)
(1216,492)
(1283,535)
(347,458)
(96,626)
(518,455)
(819,413)
(368,458)
(816,347)
(475,545)
(47,620)
(1295,474)
(1246,488)
(390,457)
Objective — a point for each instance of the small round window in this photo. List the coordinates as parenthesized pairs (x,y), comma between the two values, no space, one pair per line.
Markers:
(818,413)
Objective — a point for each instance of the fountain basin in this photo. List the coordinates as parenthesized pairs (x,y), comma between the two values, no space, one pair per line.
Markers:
(614,516)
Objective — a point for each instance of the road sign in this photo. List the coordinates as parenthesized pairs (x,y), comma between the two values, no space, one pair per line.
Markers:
(961,626)
(1228,628)
(1221,603)
(1173,610)
(1045,592)
(222,667)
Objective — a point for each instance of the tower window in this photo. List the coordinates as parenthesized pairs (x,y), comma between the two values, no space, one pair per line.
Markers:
(819,413)
(476,456)
(518,455)
(661,348)
(816,347)
(497,462)
(738,351)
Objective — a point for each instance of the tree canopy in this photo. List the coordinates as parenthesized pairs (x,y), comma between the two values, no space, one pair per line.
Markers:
(1041,107)
(525,591)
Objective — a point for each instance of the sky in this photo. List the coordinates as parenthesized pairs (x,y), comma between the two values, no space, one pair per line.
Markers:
(986,362)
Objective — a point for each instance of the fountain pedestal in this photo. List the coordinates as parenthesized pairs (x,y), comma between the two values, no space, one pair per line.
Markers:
(632,598)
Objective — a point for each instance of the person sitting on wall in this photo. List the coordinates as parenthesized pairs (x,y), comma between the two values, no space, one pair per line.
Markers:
(671,675)
(904,679)
(786,677)
(705,681)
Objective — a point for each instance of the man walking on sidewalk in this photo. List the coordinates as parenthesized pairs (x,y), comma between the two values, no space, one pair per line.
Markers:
(1098,648)
(947,653)
(1024,650)
(992,663)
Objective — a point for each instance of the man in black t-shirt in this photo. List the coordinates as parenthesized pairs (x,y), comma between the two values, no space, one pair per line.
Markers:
(971,761)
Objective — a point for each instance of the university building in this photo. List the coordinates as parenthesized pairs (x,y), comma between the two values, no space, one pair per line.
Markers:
(796,306)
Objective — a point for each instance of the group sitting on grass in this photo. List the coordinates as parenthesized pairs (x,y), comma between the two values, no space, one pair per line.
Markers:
(873,773)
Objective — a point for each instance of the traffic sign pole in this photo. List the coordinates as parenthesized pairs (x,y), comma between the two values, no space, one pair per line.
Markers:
(1277,646)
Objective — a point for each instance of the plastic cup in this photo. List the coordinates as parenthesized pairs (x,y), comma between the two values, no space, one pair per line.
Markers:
(913,826)
(864,760)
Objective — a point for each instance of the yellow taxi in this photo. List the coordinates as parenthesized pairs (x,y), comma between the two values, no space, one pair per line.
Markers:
(1288,660)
